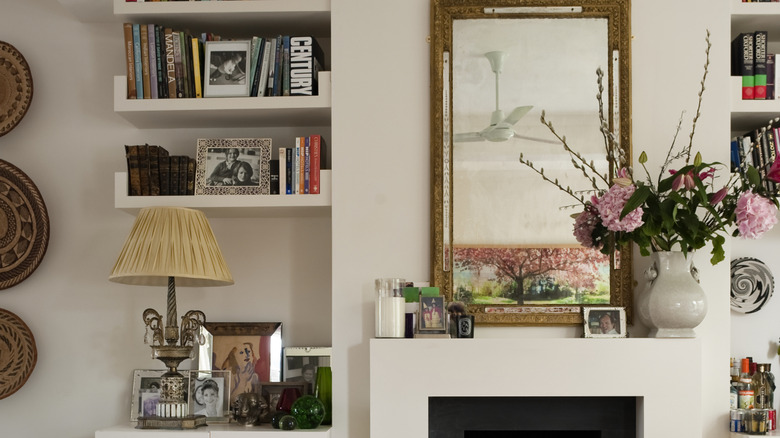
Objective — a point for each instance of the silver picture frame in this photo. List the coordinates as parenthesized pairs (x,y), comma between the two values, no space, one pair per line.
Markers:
(604,322)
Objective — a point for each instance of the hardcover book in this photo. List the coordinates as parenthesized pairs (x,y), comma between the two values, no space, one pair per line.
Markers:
(742,63)
(184,168)
(159,46)
(170,63)
(145,62)
(133,171)
(197,70)
(165,175)
(151,39)
(274,173)
(143,167)
(771,71)
(283,171)
(139,82)
(317,162)
(174,176)
(130,61)
(306,60)
(759,64)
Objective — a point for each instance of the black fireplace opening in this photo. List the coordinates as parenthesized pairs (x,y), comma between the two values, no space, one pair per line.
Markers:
(532,417)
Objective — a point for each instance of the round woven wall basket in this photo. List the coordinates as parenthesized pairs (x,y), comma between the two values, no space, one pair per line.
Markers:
(16,87)
(17,353)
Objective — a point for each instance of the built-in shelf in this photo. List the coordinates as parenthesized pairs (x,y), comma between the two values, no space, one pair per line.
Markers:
(747,115)
(232,430)
(748,17)
(222,112)
(233,205)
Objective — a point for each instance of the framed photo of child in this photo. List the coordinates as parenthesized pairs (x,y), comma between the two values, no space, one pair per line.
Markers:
(225,68)
(233,166)
(432,317)
(209,393)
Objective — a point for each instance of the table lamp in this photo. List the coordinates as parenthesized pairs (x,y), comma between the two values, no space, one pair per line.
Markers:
(170,245)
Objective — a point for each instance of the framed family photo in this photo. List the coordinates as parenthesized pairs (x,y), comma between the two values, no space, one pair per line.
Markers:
(251,351)
(225,68)
(604,322)
(432,317)
(301,364)
(233,166)
(272,392)
(146,393)
(209,394)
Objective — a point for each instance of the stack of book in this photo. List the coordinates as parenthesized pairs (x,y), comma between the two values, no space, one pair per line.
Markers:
(299,166)
(152,171)
(163,63)
(751,61)
(757,148)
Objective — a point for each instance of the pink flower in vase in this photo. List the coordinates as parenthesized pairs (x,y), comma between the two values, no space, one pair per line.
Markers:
(584,225)
(611,204)
(755,215)
(774,172)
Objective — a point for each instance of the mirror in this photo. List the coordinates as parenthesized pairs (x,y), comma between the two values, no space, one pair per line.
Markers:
(502,237)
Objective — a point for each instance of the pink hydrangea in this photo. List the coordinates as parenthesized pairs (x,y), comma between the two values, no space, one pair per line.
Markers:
(584,225)
(755,215)
(611,204)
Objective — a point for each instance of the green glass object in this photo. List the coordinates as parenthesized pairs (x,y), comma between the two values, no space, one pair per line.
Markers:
(309,411)
(323,391)
(288,422)
(276,417)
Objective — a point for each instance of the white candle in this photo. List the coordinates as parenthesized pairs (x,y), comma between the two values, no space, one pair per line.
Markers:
(390,316)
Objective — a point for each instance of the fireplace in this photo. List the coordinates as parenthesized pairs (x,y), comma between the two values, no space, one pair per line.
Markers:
(658,378)
(532,417)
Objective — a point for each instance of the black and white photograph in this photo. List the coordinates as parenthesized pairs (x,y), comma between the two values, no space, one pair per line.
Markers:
(301,364)
(209,395)
(146,393)
(226,66)
(233,166)
(604,322)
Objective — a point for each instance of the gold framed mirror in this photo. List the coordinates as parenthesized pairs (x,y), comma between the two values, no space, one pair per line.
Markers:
(502,239)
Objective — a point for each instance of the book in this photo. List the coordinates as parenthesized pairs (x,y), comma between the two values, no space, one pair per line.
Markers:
(254,50)
(130,60)
(197,62)
(317,147)
(174,175)
(742,63)
(156,153)
(307,166)
(139,82)
(271,68)
(306,61)
(162,85)
(771,71)
(759,64)
(283,171)
(165,175)
(170,63)
(191,165)
(297,167)
(274,173)
(177,56)
(257,66)
(143,167)
(769,156)
(152,61)
(735,158)
(186,63)
(265,68)
(289,173)
(278,66)
(285,86)
(184,162)
(145,62)
(133,172)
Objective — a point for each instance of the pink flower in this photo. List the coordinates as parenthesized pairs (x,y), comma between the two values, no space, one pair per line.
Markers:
(719,196)
(683,180)
(755,215)
(611,204)
(709,173)
(774,172)
(584,225)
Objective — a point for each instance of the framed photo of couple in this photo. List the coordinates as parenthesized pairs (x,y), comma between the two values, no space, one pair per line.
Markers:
(604,322)
(233,166)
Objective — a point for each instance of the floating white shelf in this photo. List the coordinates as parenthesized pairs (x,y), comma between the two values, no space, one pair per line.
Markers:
(750,114)
(211,112)
(233,205)
(232,430)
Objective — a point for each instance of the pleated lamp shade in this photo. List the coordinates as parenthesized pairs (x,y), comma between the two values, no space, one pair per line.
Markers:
(171,242)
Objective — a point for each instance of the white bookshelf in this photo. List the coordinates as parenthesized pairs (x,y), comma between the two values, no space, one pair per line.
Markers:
(232,205)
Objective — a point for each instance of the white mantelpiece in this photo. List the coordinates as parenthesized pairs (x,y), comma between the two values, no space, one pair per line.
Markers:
(664,375)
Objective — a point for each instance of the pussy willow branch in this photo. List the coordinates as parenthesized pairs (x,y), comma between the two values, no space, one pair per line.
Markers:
(615,154)
(577,160)
(568,190)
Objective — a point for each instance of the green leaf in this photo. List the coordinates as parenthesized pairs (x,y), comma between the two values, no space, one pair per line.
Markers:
(753,178)
(637,199)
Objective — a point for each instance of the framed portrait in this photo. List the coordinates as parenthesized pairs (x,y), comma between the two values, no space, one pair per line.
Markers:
(209,394)
(225,68)
(146,393)
(301,364)
(233,166)
(251,351)
(432,317)
(604,322)
(272,391)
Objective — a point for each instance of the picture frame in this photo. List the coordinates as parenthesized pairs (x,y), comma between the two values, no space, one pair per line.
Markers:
(301,364)
(432,316)
(251,351)
(612,326)
(210,385)
(145,393)
(272,391)
(225,68)
(233,166)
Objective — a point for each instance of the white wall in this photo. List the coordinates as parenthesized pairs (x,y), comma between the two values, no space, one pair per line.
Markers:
(88,331)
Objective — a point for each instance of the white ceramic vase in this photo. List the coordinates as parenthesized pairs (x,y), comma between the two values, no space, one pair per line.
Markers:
(672,303)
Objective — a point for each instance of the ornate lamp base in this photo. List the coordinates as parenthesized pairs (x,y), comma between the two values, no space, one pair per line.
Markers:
(188,422)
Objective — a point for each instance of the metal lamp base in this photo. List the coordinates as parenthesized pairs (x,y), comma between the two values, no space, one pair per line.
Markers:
(175,423)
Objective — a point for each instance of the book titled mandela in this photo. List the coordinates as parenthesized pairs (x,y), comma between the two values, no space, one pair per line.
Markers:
(306,60)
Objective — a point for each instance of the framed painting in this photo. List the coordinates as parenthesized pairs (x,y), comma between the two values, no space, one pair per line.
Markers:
(226,66)
(272,392)
(604,322)
(251,351)
(301,364)
(209,394)
(233,166)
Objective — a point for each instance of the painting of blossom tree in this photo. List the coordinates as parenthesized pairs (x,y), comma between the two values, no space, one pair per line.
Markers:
(527,276)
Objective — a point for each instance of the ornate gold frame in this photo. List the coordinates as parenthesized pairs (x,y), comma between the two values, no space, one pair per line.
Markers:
(443,12)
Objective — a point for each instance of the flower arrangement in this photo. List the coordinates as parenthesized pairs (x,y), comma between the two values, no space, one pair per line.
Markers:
(682,209)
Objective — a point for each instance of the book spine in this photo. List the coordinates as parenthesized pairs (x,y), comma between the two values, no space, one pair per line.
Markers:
(274,165)
(154,170)
(746,67)
(759,67)
(133,171)
(153,88)
(170,63)
(304,65)
(771,71)
(257,66)
(191,165)
(254,53)
(145,62)
(186,63)
(196,66)
(174,176)
(143,167)
(297,167)
(165,175)
(282,171)
(315,164)
(271,69)
(307,166)
(139,82)
(262,88)
(285,89)
(178,63)
(130,60)
(288,164)
(184,162)
(278,66)
(162,86)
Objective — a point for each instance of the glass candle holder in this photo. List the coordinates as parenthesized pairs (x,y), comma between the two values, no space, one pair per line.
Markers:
(390,307)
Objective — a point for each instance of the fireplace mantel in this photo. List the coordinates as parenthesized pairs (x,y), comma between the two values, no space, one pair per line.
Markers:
(664,375)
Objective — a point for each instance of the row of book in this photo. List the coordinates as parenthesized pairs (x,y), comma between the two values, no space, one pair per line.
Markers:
(757,67)
(165,63)
(757,148)
(152,171)
(299,166)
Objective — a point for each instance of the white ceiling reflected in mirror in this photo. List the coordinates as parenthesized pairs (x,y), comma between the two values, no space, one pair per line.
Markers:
(547,64)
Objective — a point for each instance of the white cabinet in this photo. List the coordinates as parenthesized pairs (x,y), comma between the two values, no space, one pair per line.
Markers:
(213,431)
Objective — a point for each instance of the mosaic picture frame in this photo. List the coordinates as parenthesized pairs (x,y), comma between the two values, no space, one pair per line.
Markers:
(222,162)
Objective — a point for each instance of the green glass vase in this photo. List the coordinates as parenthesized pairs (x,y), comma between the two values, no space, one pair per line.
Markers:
(308,411)
(323,391)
